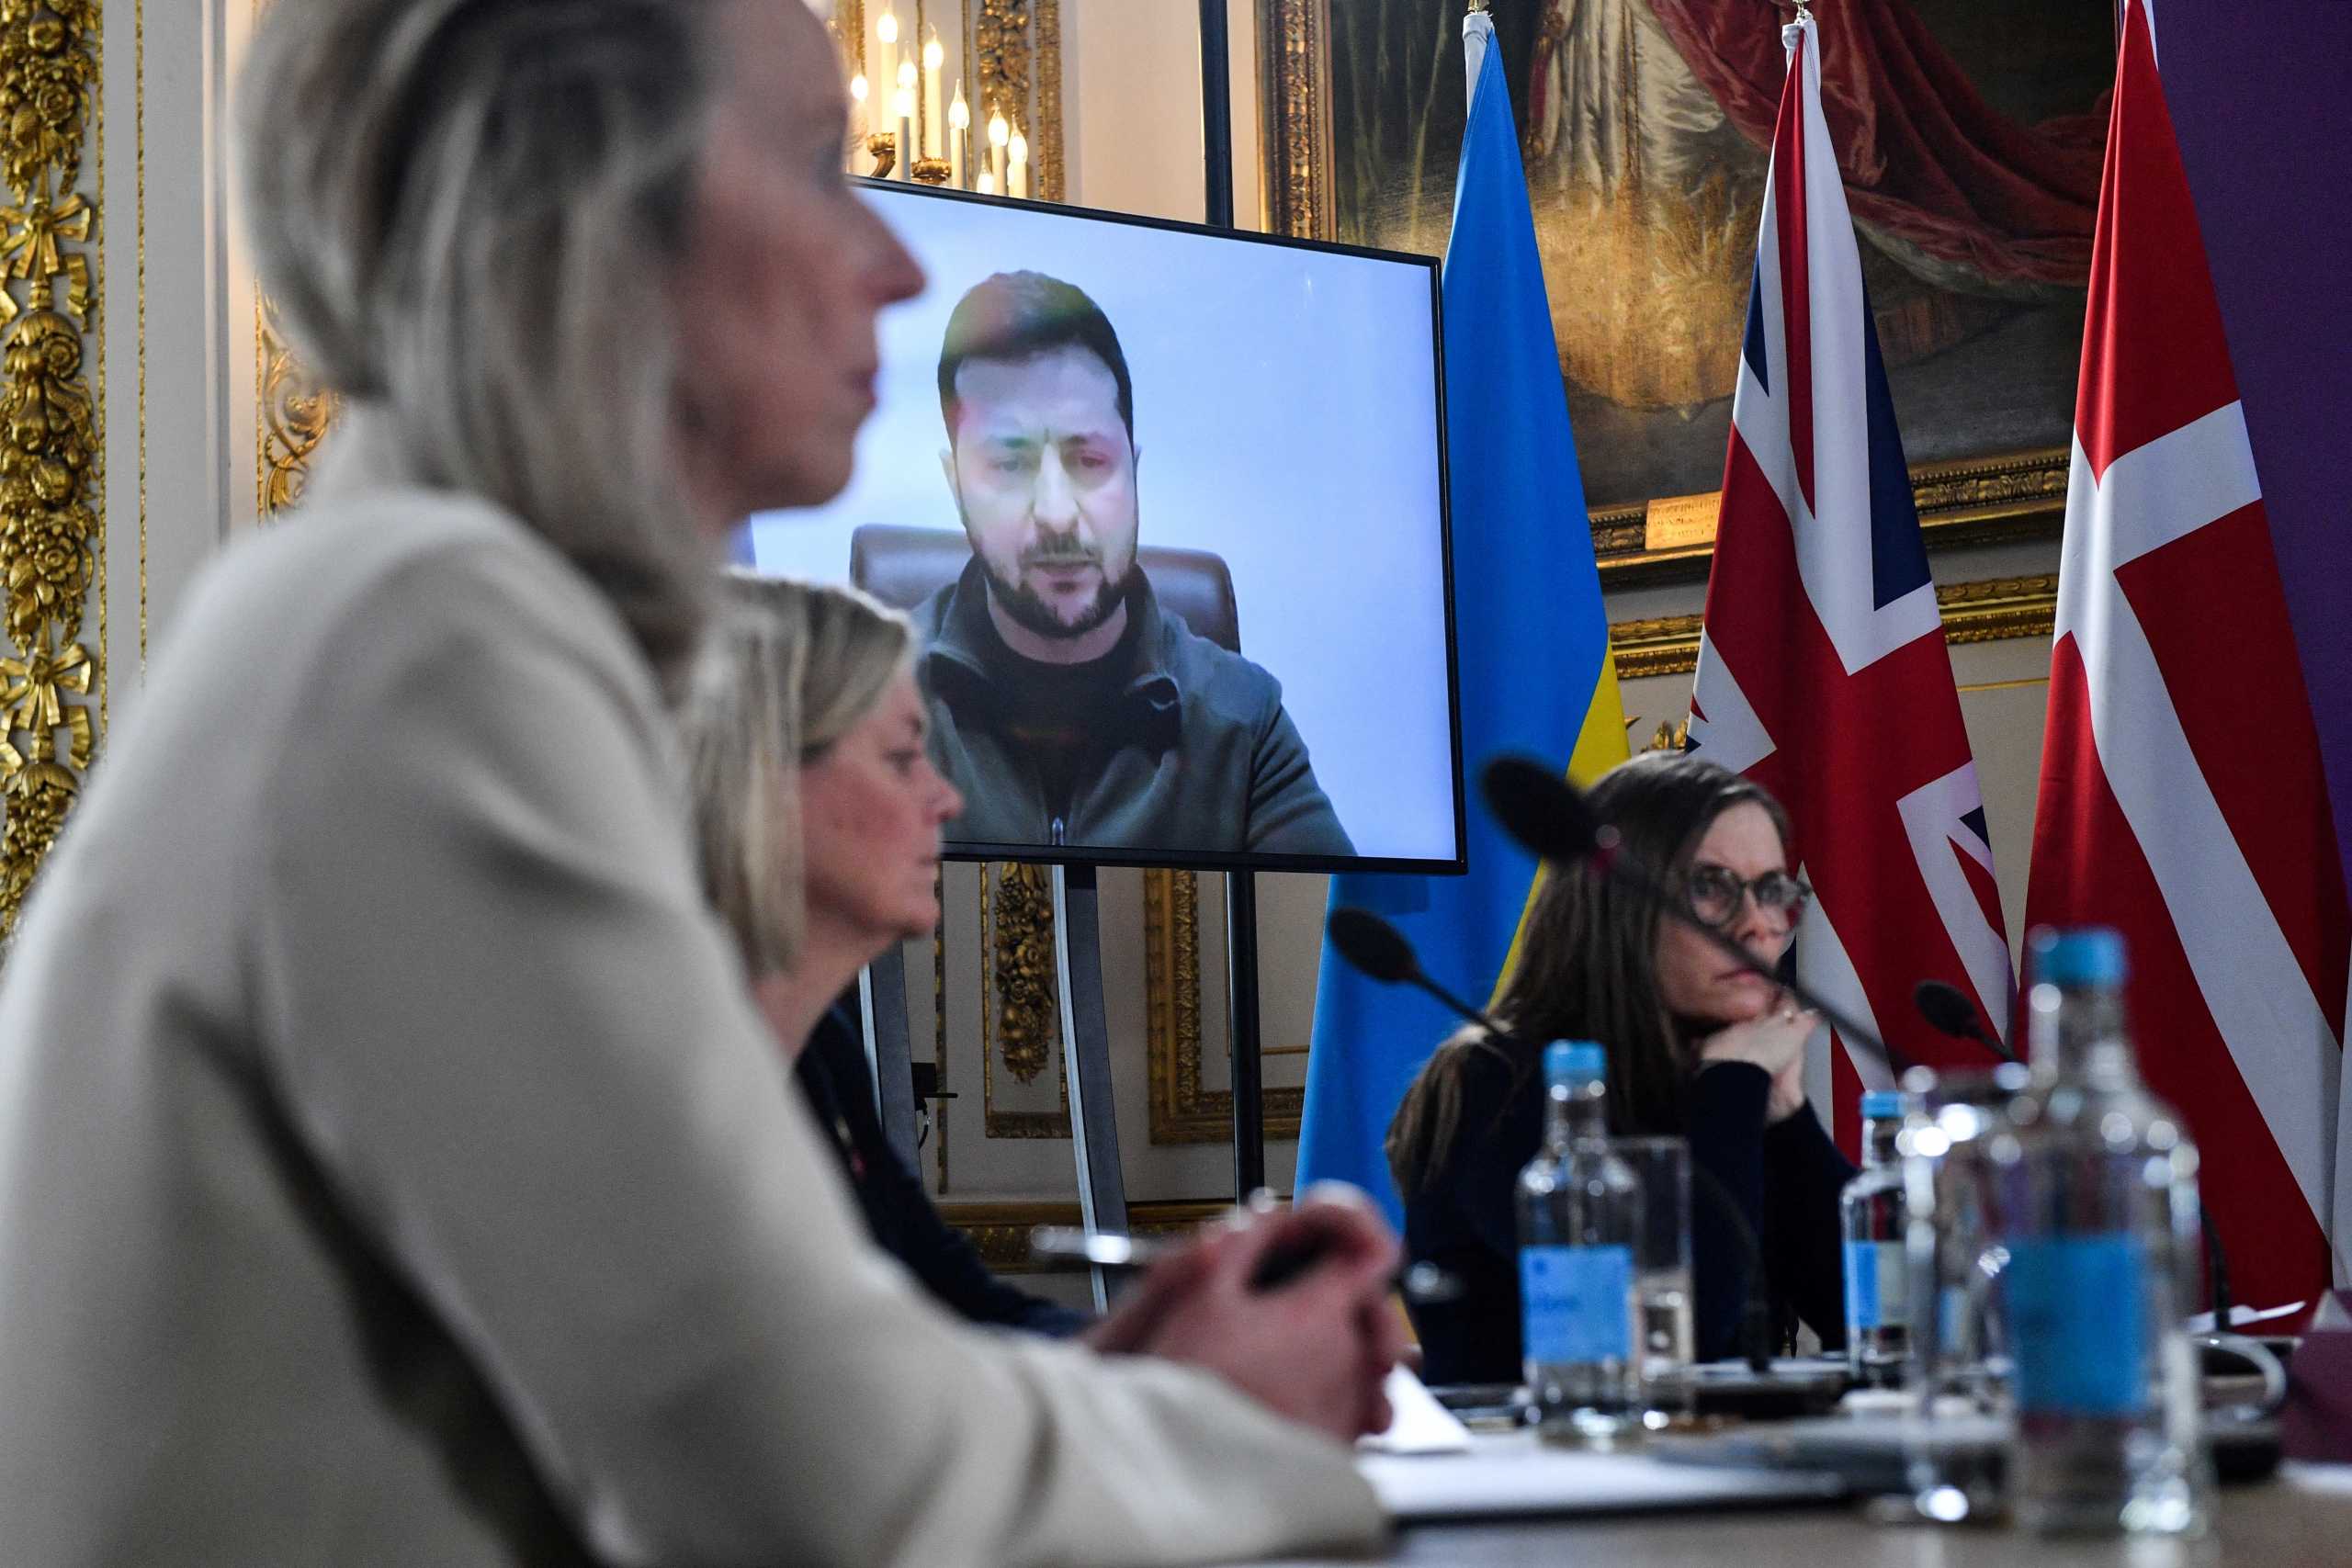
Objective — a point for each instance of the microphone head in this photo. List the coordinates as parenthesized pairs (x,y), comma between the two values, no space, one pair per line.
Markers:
(1541,810)
(1373,946)
(1947,1010)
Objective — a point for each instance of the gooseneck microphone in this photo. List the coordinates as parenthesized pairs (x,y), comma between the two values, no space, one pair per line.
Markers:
(1550,819)
(1379,951)
(1948,1011)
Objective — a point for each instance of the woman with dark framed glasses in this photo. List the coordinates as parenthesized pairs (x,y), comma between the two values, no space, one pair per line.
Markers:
(1697,1048)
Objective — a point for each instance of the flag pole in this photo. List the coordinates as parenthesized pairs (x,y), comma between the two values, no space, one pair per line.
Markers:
(1477,33)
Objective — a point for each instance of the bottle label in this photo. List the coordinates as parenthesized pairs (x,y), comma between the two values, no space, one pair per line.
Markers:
(1875,1278)
(1575,1302)
(2078,1323)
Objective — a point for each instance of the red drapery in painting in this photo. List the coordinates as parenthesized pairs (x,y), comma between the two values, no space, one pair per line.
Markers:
(1924,157)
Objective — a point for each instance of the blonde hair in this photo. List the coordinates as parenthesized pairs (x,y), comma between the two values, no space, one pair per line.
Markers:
(786,669)
(464,210)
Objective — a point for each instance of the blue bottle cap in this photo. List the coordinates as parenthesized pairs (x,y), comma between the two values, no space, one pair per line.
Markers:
(2076,955)
(1574,1061)
(1882,1104)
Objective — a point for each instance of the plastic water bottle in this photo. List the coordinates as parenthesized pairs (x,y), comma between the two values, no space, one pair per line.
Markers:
(2094,1198)
(1579,1219)
(1870,1218)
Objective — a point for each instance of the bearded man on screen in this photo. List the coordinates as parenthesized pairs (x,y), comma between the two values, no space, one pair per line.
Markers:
(1067,706)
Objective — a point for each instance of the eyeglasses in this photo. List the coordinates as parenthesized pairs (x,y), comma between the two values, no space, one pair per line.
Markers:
(1713,894)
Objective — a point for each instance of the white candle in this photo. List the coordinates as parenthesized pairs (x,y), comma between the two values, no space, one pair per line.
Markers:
(1017,180)
(858,95)
(988,183)
(885,53)
(905,108)
(998,132)
(934,128)
(959,130)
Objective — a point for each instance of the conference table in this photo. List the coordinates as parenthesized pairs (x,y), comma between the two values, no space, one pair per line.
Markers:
(2303,1516)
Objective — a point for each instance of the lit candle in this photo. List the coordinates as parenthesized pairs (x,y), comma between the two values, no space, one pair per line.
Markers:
(886,55)
(904,104)
(1017,179)
(998,132)
(858,95)
(933,125)
(959,131)
(988,183)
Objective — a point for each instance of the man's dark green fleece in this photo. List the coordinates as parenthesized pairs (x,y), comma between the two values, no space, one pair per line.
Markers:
(1188,751)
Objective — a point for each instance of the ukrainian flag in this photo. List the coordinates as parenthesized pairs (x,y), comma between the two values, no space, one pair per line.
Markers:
(1532,647)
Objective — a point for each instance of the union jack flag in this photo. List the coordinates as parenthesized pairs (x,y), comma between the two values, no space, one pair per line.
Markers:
(1822,672)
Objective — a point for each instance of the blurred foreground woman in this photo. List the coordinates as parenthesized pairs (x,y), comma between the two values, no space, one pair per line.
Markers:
(393,1169)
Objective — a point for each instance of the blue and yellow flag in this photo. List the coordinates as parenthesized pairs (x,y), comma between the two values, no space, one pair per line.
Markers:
(1532,647)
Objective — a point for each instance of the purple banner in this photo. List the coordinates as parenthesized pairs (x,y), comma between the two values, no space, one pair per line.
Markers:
(2258,95)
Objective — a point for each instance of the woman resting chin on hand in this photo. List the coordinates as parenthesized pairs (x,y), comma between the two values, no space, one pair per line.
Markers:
(1698,1047)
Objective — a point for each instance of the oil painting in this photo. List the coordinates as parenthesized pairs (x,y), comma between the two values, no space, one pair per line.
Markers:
(1969,134)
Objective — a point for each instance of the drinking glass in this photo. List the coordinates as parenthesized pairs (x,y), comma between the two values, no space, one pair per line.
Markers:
(1662,1298)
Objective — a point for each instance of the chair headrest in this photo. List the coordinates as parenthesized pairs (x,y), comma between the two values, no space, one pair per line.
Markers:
(902,567)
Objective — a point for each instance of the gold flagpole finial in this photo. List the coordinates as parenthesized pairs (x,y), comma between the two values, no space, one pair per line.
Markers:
(1479,7)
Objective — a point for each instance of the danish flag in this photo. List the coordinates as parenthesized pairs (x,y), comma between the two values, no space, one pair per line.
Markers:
(2182,798)
(1822,672)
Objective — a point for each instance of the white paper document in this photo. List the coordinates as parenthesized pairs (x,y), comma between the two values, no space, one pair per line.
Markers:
(1515,1473)
(1421,1425)
(2203,1321)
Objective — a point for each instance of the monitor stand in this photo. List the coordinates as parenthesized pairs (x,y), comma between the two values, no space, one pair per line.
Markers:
(1241,1014)
(1086,1058)
(1086,1048)
(1085,1045)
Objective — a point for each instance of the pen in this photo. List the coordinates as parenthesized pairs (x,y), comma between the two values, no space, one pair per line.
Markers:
(1423,1284)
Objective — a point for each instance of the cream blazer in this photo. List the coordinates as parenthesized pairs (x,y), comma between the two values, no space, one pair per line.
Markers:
(392,1171)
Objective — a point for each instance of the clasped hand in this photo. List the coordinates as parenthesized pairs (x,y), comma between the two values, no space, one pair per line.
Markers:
(1774,1041)
(1317,1348)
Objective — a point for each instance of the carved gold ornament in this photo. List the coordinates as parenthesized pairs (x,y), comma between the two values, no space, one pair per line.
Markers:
(1027,1005)
(295,413)
(1019,1010)
(1015,48)
(50,526)
(48,64)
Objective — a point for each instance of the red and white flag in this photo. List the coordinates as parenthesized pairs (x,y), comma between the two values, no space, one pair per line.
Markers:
(1821,668)
(2182,800)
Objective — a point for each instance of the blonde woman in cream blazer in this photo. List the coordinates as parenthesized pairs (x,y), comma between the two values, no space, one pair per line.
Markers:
(392,1168)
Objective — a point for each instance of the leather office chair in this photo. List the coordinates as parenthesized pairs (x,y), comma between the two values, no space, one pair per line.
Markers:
(902,567)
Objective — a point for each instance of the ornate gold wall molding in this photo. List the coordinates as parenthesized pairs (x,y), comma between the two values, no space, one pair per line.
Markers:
(1991,610)
(1294,147)
(52,524)
(2001,498)
(1182,1109)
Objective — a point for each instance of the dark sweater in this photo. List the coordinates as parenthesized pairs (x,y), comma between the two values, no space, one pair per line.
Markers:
(1785,1178)
(834,1079)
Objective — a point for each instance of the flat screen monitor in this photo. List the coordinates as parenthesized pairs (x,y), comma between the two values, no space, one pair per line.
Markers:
(1168,507)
